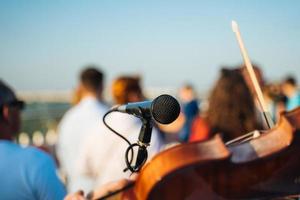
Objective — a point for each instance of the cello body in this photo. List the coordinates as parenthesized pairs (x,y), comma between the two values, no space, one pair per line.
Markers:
(265,167)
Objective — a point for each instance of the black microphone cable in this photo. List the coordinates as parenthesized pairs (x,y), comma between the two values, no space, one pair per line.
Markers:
(128,160)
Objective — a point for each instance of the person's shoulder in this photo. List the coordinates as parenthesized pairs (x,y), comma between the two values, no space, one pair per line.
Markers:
(71,115)
(36,155)
(8,147)
(71,112)
(91,107)
(102,106)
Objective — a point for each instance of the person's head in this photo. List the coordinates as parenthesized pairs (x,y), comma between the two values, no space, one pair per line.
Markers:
(231,108)
(10,106)
(91,82)
(127,89)
(289,86)
(187,93)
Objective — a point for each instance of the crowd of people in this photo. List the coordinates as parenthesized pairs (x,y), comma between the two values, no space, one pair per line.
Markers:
(90,155)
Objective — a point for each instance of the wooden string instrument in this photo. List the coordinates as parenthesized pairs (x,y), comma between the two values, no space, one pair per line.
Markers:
(262,167)
(265,167)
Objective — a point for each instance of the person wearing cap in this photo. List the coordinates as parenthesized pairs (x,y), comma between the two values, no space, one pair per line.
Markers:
(26,173)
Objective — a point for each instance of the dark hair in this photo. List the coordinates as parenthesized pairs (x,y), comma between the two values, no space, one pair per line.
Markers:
(291,80)
(92,78)
(231,107)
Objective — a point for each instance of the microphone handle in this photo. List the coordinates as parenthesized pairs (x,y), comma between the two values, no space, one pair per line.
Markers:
(143,142)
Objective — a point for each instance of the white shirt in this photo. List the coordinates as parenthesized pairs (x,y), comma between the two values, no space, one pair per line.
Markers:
(103,155)
(73,129)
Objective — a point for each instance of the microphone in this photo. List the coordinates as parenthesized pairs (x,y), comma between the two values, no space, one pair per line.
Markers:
(163,109)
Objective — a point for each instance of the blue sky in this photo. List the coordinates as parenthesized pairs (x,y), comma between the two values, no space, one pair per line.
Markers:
(44,44)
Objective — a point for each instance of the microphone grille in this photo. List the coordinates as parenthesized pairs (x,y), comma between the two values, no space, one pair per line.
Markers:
(165,109)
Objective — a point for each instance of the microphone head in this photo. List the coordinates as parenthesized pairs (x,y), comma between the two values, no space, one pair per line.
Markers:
(165,109)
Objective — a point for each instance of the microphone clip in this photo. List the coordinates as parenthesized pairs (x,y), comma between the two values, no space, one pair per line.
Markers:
(141,144)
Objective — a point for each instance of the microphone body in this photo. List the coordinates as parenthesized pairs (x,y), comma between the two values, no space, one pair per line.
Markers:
(163,109)
(137,109)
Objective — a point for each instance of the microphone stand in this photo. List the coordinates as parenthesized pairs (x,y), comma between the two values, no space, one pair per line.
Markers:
(144,141)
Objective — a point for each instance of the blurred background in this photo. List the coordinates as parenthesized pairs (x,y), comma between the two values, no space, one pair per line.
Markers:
(45,44)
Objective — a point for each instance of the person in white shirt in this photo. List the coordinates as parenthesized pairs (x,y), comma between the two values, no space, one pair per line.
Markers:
(103,155)
(75,125)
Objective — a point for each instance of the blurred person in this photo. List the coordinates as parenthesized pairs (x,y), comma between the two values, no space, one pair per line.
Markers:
(102,156)
(275,100)
(269,98)
(26,173)
(75,124)
(231,110)
(280,101)
(190,110)
(289,89)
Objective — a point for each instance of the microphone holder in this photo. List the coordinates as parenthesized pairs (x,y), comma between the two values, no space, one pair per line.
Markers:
(144,141)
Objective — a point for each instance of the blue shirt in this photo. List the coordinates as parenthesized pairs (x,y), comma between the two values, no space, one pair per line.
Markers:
(190,111)
(294,101)
(27,174)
